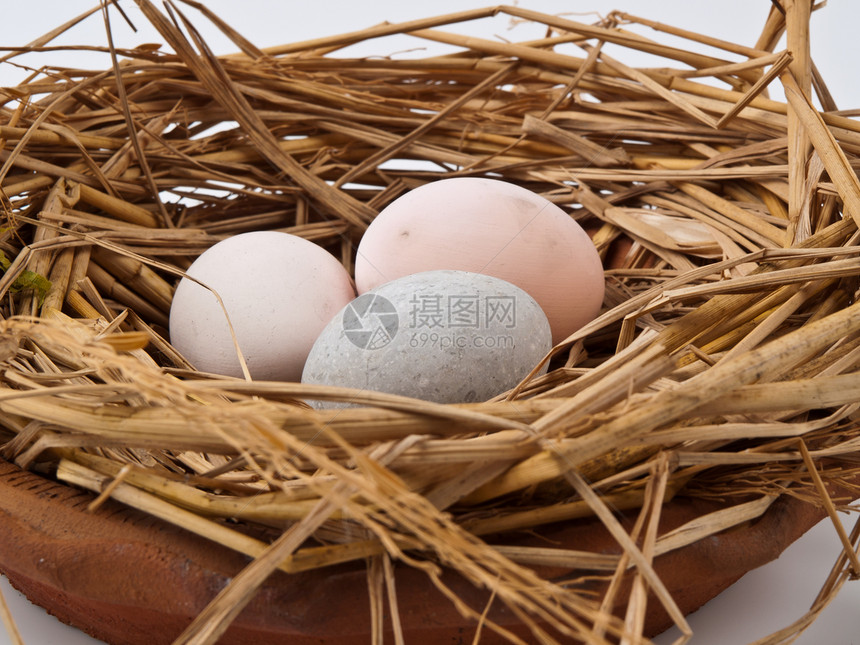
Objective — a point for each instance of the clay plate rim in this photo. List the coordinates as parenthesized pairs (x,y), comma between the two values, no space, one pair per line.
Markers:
(127,578)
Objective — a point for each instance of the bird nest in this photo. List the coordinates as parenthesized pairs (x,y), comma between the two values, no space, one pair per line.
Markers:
(721,371)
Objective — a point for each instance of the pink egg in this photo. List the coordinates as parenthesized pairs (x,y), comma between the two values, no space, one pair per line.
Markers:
(491,227)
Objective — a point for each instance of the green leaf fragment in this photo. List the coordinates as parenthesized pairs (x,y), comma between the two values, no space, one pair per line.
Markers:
(27,280)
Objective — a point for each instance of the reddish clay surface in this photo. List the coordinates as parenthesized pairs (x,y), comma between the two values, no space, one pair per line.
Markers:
(126,578)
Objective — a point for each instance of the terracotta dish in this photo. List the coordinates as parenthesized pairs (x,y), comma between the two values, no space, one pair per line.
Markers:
(126,578)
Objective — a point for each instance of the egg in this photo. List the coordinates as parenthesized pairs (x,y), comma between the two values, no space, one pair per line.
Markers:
(279,292)
(491,227)
(443,336)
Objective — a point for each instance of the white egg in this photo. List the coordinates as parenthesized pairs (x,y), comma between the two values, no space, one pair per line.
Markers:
(279,292)
(443,336)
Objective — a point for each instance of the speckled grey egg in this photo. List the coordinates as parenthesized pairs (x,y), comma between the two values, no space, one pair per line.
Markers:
(443,336)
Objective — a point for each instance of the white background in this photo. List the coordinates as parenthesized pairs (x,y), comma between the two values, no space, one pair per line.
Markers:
(764,600)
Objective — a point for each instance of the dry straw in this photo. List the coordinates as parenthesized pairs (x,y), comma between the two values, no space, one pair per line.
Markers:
(724,364)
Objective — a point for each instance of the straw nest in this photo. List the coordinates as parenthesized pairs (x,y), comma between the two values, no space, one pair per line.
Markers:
(723,365)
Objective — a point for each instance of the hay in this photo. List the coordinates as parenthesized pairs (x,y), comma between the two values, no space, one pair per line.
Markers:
(724,364)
